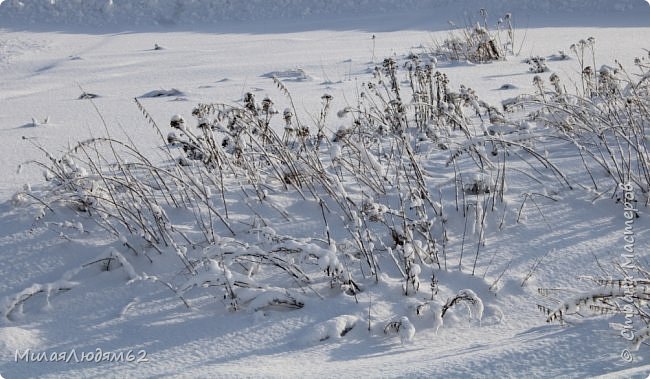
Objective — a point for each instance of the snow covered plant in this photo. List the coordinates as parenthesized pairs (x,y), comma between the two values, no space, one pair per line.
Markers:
(628,299)
(584,50)
(470,299)
(476,43)
(223,201)
(335,328)
(467,297)
(402,328)
(606,121)
(116,186)
(537,64)
(239,287)
(13,307)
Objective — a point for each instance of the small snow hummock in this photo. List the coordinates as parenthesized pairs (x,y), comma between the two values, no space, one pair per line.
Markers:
(163,93)
(403,328)
(334,328)
(406,331)
(471,299)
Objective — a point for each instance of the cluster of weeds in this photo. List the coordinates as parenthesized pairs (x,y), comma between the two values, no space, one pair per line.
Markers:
(537,64)
(209,196)
(606,119)
(477,43)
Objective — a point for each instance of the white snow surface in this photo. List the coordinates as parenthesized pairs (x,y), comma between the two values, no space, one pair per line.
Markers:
(53,51)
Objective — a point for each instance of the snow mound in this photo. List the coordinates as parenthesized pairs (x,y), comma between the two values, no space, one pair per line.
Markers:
(14,338)
(335,328)
(164,93)
(154,12)
(292,75)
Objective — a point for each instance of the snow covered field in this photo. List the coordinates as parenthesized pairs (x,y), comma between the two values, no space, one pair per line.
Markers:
(283,285)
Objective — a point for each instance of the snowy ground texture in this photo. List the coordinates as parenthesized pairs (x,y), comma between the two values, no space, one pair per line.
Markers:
(366,220)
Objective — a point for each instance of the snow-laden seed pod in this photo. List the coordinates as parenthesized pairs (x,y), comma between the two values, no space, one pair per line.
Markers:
(177,122)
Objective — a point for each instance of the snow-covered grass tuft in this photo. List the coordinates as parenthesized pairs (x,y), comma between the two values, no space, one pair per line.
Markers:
(477,43)
(212,201)
(334,328)
(468,297)
(403,328)
(605,119)
(627,298)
